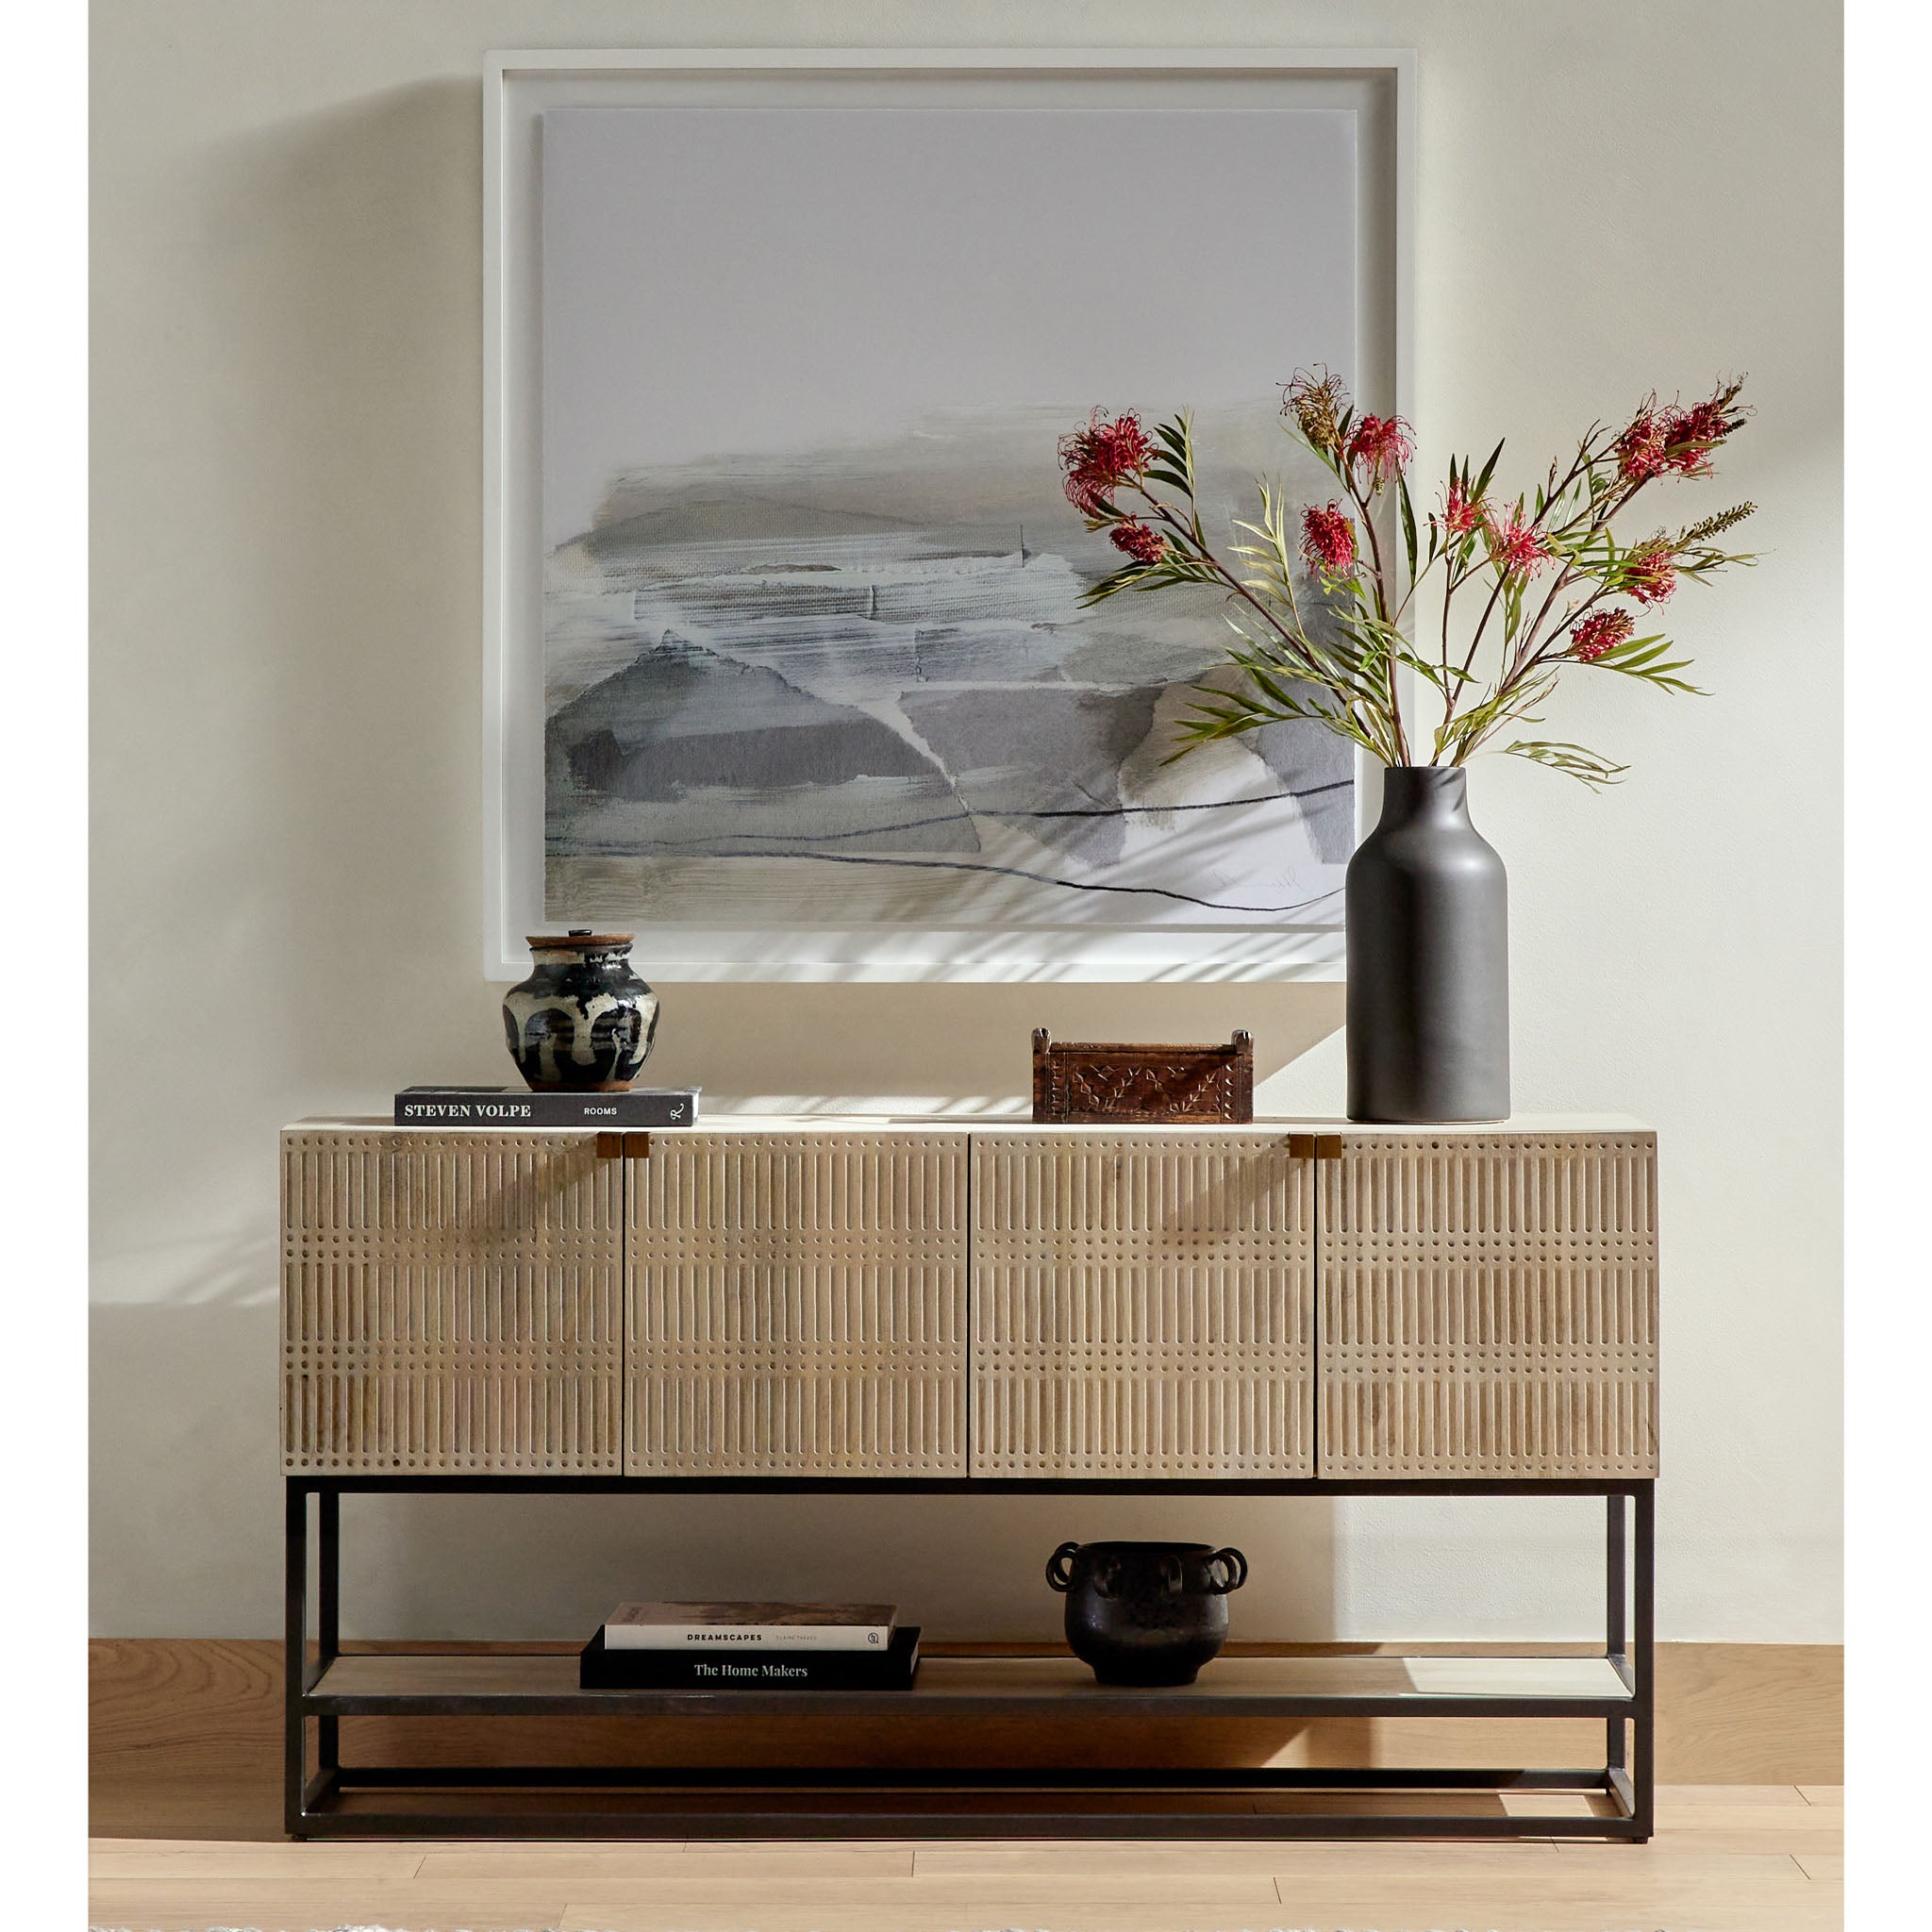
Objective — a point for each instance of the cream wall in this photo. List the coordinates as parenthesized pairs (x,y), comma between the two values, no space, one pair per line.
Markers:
(286,784)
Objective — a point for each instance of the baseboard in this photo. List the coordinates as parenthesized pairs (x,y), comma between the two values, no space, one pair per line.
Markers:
(185,1733)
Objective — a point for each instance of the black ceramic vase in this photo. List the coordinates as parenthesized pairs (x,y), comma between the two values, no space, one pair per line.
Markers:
(1145,1613)
(583,1020)
(1428,958)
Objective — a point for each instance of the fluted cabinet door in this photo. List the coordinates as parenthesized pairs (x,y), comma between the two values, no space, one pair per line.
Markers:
(1489,1305)
(797,1304)
(1141,1305)
(451,1303)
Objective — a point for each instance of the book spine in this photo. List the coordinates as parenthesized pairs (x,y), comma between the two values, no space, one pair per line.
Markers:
(608,1110)
(795,1671)
(837,1638)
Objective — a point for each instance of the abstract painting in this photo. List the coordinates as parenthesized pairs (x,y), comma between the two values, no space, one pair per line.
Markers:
(814,649)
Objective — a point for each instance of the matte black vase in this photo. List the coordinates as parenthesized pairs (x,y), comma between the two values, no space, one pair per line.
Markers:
(1428,958)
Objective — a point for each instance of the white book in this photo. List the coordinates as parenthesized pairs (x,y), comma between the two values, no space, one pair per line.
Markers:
(750,1626)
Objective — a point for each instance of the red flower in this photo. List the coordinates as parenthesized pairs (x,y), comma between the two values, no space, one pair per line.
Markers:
(1383,443)
(1642,449)
(1648,573)
(1600,633)
(1098,459)
(1693,434)
(1328,539)
(1462,512)
(1516,547)
(1140,541)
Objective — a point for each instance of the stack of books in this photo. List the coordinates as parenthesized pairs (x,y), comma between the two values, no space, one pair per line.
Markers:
(751,1647)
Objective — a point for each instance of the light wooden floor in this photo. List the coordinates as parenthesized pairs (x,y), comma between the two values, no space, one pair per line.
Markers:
(1726,1858)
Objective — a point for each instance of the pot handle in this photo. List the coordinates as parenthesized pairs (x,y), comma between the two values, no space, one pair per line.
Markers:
(1233,1563)
(1060,1567)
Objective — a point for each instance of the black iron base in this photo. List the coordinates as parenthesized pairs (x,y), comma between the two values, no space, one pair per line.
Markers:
(333,1799)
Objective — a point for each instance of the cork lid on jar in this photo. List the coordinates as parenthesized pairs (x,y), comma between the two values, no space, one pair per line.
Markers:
(580,939)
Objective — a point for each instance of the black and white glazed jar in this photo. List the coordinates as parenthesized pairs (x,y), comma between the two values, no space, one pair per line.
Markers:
(582,1023)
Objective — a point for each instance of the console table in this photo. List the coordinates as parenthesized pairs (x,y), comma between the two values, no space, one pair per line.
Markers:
(831,1305)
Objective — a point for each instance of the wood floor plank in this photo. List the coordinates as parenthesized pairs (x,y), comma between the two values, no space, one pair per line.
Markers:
(1038,1890)
(979,1913)
(299,1907)
(1663,1858)
(184,1861)
(967,1861)
(321,1915)
(1794,1821)
(1482,1912)
(1728,1794)
(582,1866)
(1821,1865)
(1631,1901)
(1793,1844)
(1822,1794)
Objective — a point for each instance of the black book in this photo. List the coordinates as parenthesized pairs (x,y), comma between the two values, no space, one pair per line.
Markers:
(518,1107)
(603,1669)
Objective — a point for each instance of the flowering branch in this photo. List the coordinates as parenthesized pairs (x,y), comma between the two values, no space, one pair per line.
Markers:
(1344,673)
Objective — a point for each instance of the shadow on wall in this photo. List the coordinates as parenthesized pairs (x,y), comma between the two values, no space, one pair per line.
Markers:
(343,305)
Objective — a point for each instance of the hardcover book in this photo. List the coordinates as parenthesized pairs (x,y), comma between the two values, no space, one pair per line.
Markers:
(519,1107)
(750,1626)
(601,1668)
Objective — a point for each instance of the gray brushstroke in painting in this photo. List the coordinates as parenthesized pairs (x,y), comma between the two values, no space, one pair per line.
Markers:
(749,661)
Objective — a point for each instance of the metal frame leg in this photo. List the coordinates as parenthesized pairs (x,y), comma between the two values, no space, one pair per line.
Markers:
(328,1615)
(294,1653)
(1615,1640)
(1644,1688)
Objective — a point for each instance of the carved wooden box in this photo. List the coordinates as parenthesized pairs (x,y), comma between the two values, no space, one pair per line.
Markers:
(1141,1305)
(1116,1083)
(1489,1305)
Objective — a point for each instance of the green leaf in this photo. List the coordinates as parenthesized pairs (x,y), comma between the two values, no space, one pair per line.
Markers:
(1482,482)
(1577,761)
(1407,522)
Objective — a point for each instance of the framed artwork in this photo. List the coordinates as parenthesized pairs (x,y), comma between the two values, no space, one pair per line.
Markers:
(787,663)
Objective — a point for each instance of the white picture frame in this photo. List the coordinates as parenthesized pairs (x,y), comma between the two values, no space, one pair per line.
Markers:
(1377,85)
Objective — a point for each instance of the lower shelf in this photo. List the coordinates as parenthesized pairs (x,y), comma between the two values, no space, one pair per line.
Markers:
(1111,1798)
(446,1685)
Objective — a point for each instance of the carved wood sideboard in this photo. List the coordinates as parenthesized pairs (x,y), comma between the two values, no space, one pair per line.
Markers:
(830,1305)
(832,1298)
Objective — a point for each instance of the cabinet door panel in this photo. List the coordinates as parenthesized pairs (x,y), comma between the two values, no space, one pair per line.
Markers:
(797,1306)
(1488,1306)
(450,1302)
(1141,1305)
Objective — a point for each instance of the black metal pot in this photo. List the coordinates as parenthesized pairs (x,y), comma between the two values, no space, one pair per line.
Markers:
(1145,1613)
